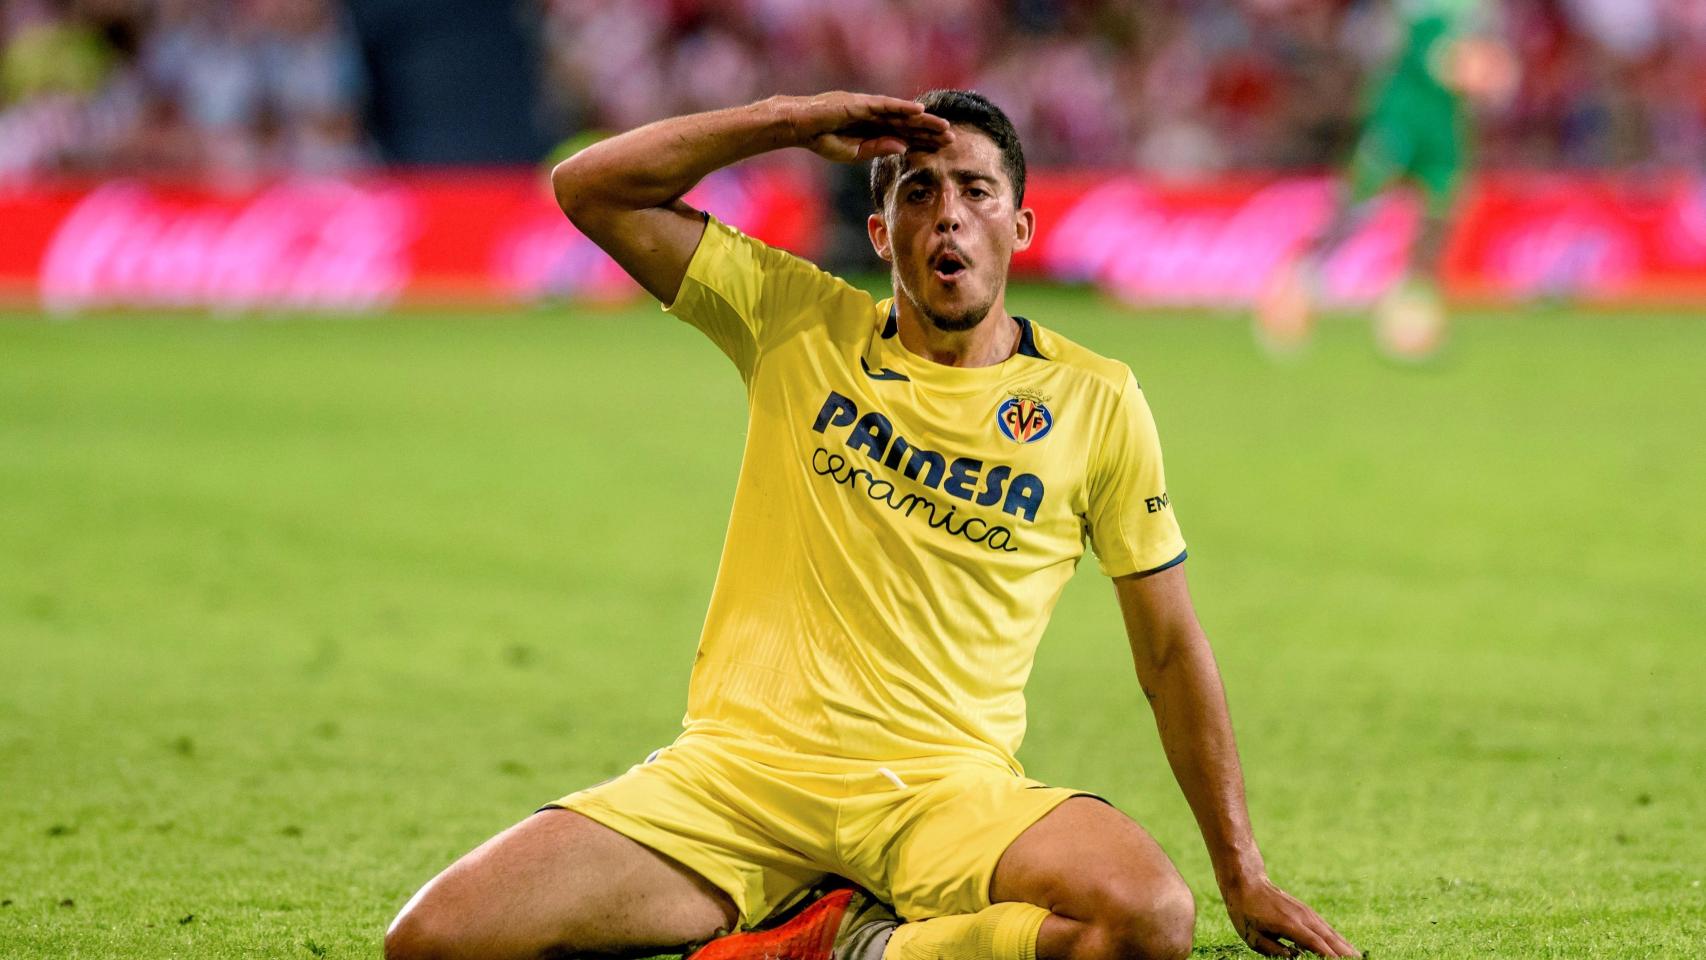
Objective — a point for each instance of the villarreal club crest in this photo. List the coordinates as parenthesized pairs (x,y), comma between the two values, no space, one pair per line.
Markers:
(1024,417)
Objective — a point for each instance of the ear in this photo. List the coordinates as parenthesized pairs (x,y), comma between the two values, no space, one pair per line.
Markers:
(1024,228)
(878,230)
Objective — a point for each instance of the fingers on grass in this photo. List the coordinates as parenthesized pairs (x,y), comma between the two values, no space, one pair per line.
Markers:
(1266,946)
(1330,938)
(1312,938)
(1341,946)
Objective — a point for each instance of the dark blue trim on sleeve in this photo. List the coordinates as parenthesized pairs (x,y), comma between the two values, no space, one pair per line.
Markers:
(1165,566)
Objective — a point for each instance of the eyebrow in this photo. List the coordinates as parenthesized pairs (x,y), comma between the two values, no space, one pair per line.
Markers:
(962,175)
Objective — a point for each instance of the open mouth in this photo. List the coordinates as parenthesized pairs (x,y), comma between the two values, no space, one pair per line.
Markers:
(948,266)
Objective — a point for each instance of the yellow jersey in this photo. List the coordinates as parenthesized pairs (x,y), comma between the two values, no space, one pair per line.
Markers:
(901,529)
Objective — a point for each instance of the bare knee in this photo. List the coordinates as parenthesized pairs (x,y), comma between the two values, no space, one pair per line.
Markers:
(1153,921)
(419,934)
(1167,925)
(440,923)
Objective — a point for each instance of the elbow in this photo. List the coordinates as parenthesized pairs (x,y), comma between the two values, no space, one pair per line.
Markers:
(1153,665)
(1170,650)
(586,195)
(581,189)
(568,185)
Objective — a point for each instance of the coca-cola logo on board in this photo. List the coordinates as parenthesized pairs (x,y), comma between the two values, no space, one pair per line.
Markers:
(1147,246)
(322,243)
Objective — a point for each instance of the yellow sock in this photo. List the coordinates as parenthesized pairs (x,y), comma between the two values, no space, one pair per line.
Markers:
(1005,931)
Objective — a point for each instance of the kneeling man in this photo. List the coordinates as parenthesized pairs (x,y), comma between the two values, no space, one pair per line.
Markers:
(920,476)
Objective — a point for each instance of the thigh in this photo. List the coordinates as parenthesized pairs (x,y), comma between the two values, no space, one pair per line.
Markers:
(559,883)
(933,850)
(671,852)
(1079,857)
(744,828)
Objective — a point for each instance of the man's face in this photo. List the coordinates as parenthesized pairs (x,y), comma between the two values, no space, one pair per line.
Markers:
(949,227)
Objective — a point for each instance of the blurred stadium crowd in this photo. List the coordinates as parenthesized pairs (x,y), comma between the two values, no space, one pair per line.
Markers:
(1172,86)
(178,85)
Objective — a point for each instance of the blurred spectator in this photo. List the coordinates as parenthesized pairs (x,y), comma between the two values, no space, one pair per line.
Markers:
(1181,87)
(312,84)
(262,84)
(179,85)
(1177,87)
(65,90)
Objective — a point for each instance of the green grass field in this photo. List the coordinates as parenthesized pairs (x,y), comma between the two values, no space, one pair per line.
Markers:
(292,613)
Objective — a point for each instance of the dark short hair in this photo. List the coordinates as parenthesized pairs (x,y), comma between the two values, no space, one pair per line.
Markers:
(966,109)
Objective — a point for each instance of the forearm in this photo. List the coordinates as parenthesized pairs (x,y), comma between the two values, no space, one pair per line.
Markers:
(1179,677)
(624,194)
(654,165)
(1184,690)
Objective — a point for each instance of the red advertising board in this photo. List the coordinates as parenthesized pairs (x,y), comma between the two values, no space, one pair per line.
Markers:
(1516,237)
(1634,239)
(485,237)
(495,237)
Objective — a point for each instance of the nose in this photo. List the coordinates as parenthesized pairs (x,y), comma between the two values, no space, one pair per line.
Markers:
(948,213)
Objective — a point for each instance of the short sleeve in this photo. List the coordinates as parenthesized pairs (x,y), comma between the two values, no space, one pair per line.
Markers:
(1130,519)
(744,294)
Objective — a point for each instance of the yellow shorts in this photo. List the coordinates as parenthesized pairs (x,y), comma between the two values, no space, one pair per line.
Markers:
(763,826)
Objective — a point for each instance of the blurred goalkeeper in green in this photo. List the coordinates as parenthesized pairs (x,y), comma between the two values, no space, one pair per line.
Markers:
(1417,130)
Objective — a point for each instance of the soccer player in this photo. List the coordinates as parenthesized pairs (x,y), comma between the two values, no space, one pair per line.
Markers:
(1417,130)
(920,475)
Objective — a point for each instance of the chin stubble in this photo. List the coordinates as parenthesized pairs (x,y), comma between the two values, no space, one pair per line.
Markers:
(957,323)
(950,323)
